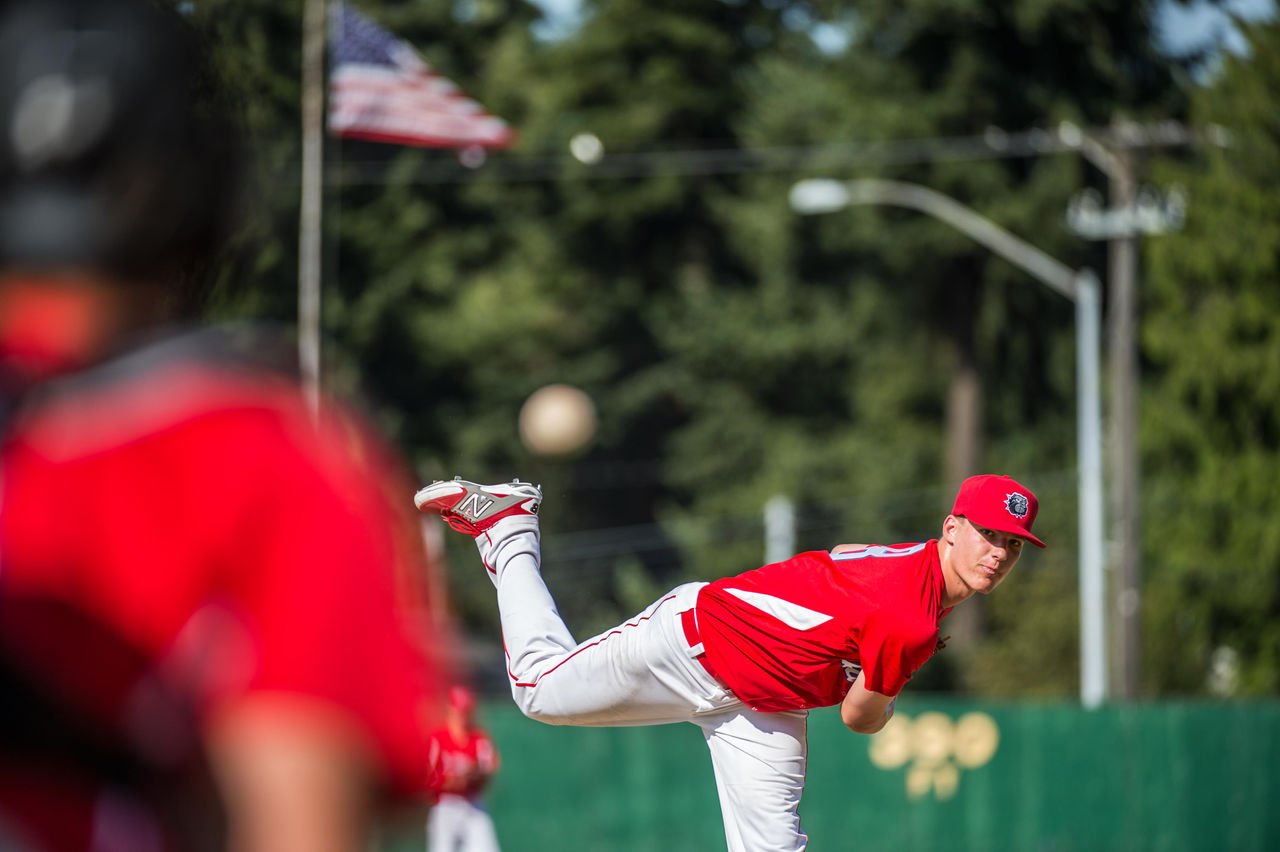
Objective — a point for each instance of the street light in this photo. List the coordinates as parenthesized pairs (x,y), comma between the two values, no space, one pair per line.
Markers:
(1082,288)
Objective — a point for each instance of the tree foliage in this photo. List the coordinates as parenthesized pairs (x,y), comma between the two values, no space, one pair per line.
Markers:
(1211,403)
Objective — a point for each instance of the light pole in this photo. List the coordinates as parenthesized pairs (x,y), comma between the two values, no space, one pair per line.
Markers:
(1082,288)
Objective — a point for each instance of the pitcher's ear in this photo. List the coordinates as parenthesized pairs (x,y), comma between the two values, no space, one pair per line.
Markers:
(950,525)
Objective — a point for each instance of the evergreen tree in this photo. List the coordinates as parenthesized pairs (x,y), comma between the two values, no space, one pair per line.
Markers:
(255,51)
(1211,404)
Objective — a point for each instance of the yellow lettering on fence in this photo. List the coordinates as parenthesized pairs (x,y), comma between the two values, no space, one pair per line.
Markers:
(937,748)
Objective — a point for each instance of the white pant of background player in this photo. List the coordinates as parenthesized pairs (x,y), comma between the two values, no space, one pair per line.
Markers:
(460,824)
(643,672)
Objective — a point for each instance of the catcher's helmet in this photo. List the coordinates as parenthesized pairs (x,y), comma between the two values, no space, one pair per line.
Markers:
(111,158)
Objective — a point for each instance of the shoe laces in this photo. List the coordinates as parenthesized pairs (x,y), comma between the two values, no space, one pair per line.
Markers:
(460,523)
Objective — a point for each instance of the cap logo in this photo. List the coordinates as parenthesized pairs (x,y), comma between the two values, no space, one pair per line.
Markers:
(1017,505)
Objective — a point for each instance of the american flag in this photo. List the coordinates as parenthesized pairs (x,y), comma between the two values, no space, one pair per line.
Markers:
(380,89)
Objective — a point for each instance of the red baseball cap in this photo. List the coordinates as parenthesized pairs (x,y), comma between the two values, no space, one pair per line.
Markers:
(461,698)
(998,503)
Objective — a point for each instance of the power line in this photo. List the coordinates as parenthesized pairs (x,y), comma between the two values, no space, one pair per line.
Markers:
(577,550)
(994,143)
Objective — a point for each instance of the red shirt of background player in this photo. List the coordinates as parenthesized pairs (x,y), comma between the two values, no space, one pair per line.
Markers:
(187,505)
(461,755)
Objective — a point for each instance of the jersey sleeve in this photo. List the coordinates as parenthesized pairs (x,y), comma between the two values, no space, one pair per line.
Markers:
(892,647)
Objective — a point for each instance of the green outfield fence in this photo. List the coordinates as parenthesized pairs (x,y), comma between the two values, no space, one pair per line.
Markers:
(947,775)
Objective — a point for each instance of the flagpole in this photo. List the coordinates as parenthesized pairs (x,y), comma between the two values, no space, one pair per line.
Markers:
(311,202)
(450,119)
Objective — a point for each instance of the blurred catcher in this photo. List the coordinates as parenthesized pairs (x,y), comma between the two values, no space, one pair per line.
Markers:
(746,657)
(463,761)
(204,595)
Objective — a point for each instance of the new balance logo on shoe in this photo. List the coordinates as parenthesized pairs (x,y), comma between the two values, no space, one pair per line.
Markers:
(472,508)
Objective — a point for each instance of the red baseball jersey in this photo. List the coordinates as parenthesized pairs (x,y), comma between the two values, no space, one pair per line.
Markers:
(789,635)
(461,767)
(193,509)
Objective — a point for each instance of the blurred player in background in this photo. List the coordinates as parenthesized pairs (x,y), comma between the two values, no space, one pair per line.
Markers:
(208,632)
(463,761)
(745,657)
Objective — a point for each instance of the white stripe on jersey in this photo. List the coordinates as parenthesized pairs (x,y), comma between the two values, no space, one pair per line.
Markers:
(790,614)
(878,551)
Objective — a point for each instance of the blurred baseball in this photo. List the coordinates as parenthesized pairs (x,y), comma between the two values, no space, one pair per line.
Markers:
(586,148)
(557,420)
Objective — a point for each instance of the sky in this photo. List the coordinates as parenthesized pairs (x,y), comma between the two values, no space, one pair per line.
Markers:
(1181,28)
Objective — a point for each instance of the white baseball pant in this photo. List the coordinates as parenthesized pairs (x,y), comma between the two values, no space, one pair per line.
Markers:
(644,672)
(460,824)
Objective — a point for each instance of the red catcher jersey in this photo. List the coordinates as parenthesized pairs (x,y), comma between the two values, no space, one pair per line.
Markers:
(461,767)
(193,508)
(780,636)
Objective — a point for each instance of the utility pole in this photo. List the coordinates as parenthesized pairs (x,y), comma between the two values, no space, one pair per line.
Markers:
(964,438)
(1132,212)
(1122,366)
(779,529)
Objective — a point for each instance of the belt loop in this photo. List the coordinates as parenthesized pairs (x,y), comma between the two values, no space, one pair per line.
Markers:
(689,621)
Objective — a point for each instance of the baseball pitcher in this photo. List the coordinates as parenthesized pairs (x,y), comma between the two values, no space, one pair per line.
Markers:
(745,657)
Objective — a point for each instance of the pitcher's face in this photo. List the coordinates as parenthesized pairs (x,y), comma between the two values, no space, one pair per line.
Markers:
(982,557)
